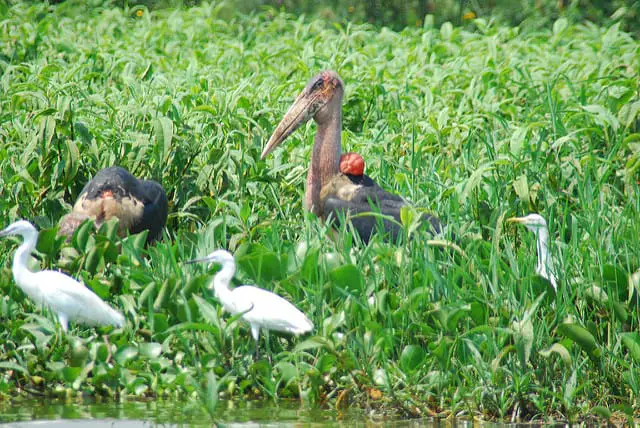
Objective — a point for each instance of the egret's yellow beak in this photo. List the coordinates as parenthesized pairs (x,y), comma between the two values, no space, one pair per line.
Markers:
(520,220)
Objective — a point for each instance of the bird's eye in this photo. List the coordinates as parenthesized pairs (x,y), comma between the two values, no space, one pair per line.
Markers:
(317,85)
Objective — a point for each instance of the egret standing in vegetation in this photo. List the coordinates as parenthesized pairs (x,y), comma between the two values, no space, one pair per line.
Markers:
(262,309)
(68,298)
(329,191)
(537,224)
(138,204)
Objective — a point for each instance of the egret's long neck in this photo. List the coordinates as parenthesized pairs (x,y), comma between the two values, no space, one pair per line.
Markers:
(222,280)
(325,159)
(544,260)
(21,272)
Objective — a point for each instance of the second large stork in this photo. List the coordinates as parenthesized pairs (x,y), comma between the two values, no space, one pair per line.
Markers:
(114,192)
(331,194)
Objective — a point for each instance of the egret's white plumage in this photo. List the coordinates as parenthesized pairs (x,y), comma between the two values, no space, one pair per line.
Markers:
(68,298)
(262,309)
(538,225)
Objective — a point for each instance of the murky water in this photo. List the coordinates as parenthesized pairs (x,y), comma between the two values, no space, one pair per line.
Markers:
(28,413)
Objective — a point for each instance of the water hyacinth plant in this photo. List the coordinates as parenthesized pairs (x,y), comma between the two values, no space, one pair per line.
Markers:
(476,125)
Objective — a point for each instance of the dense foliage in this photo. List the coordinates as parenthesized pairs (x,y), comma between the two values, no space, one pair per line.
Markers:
(473,125)
(397,14)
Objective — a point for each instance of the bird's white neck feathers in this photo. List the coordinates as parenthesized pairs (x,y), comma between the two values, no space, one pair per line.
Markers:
(222,279)
(21,272)
(544,268)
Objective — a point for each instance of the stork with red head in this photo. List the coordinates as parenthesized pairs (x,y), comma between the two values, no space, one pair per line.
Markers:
(336,184)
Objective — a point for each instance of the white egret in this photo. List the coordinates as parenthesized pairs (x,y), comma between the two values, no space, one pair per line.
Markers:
(68,298)
(538,225)
(262,309)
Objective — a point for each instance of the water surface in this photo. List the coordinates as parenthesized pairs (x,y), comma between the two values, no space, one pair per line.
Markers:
(133,414)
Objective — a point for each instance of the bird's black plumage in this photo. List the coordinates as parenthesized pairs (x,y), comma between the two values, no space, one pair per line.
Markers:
(348,195)
(114,192)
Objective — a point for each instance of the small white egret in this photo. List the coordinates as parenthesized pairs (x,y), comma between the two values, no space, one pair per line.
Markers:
(538,225)
(262,309)
(70,299)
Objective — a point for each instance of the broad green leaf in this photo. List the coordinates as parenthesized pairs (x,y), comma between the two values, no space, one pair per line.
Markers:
(581,336)
(474,180)
(560,25)
(150,349)
(125,354)
(616,280)
(628,113)
(309,270)
(597,295)
(140,240)
(602,116)
(411,358)
(92,260)
(347,277)
(602,412)
(208,312)
(315,342)
(620,311)
(82,234)
(406,215)
(523,336)
(632,341)
(163,128)
(160,323)
(287,370)
(211,396)
(110,228)
(263,265)
(446,29)
(521,186)
(331,260)
(48,241)
(69,374)
(517,140)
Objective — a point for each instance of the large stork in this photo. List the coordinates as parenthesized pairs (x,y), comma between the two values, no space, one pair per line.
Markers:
(332,190)
(138,204)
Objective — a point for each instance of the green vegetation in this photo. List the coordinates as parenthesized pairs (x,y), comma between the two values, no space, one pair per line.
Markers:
(397,14)
(474,124)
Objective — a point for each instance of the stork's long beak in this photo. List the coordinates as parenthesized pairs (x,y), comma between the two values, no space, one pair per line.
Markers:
(303,109)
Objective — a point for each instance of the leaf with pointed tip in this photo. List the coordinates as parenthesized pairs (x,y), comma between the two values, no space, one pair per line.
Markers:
(632,341)
(411,358)
(150,349)
(347,277)
(208,312)
(582,337)
(523,336)
(262,264)
(125,354)
(559,349)
(315,342)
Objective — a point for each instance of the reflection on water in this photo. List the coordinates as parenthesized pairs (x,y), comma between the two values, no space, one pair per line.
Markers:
(130,414)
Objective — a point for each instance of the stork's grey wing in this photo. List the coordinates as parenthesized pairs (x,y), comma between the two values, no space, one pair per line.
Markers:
(354,197)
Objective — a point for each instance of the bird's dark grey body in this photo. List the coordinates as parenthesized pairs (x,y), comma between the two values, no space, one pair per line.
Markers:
(347,195)
(138,204)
